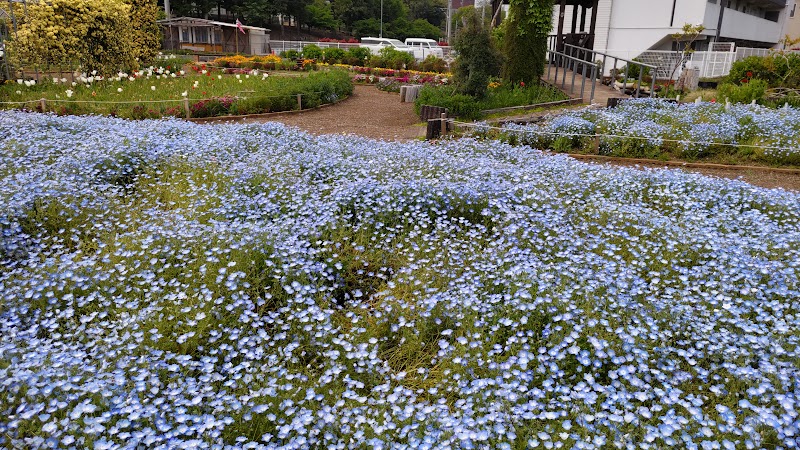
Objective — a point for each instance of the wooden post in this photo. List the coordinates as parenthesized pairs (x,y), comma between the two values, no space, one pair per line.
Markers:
(186,107)
(560,31)
(596,144)
(444,124)
(43,104)
(300,102)
(403,93)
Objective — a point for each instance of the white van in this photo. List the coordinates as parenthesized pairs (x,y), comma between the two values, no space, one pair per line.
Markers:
(375,45)
(423,47)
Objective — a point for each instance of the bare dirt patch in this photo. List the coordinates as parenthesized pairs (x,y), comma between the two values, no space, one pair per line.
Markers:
(369,112)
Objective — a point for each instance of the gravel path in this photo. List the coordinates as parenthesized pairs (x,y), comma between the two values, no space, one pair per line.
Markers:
(368,112)
(376,114)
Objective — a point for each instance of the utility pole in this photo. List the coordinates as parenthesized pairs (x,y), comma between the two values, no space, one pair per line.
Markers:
(166,9)
(449,22)
(381,35)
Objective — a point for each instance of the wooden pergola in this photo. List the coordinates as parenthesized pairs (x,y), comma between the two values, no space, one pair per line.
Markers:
(577,35)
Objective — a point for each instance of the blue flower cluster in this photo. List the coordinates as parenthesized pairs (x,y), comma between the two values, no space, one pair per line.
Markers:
(172,285)
(640,126)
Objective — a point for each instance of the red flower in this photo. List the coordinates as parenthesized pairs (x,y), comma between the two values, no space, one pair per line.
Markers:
(745,80)
(749,74)
(522,84)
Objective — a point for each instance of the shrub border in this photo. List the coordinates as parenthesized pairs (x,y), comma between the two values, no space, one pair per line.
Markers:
(258,116)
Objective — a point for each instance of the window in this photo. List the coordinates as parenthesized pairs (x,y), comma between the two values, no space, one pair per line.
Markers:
(201,35)
(186,36)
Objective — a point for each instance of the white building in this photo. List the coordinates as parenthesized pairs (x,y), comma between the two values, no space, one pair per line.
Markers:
(626,28)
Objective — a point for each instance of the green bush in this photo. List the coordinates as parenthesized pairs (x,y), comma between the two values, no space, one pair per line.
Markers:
(357,56)
(633,70)
(778,70)
(433,64)
(393,59)
(312,51)
(459,105)
(333,55)
(478,59)
(290,54)
(467,107)
(754,89)
(245,106)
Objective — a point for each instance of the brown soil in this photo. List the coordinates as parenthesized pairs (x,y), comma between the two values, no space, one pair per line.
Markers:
(372,113)
(369,112)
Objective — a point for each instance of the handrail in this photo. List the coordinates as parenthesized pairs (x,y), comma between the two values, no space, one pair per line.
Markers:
(566,61)
(592,54)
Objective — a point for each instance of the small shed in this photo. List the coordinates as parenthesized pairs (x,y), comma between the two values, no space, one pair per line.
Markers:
(203,35)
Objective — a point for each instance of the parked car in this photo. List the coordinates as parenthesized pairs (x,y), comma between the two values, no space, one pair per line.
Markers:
(375,45)
(424,47)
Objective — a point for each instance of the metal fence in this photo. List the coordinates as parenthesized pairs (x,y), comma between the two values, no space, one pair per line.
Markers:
(711,64)
(282,46)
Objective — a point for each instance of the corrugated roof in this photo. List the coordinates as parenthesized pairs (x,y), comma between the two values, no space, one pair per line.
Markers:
(198,21)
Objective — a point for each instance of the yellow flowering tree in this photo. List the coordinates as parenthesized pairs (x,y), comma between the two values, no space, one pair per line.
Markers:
(146,34)
(97,34)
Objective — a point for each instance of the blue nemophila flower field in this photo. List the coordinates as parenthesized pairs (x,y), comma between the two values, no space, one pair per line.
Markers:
(171,285)
(655,128)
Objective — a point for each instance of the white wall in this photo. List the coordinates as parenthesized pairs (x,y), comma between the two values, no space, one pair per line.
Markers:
(738,25)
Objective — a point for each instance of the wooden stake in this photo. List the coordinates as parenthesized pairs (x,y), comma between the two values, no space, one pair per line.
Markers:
(186,107)
(444,124)
(300,102)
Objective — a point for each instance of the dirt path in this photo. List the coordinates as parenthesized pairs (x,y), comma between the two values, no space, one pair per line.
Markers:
(368,112)
(376,114)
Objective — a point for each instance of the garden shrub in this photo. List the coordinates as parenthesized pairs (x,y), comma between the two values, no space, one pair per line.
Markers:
(459,105)
(312,51)
(433,64)
(393,59)
(755,89)
(357,56)
(96,33)
(633,70)
(478,60)
(290,54)
(333,55)
(777,70)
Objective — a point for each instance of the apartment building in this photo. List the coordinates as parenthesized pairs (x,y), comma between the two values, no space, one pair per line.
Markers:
(629,27)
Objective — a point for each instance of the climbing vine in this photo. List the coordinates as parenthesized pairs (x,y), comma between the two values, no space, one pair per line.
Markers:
(525,46)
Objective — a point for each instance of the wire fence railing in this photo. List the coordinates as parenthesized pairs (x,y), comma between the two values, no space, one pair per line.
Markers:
(454,125)
(186,104)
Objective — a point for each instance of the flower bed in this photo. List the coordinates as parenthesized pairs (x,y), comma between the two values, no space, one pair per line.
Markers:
(166,284)
(159,92)
(653,128)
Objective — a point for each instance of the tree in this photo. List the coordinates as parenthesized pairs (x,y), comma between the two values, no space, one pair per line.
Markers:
(477,60)
(320,15)
(146,34)
(525,44)
(96,33)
